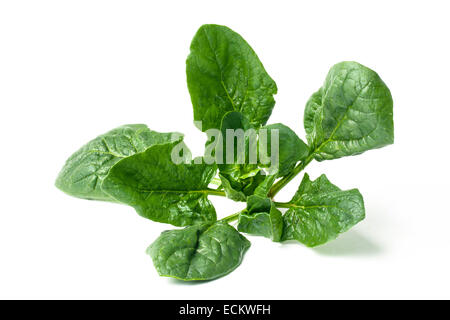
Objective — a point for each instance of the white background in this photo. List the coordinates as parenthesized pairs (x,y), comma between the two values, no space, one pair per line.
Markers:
(71,70)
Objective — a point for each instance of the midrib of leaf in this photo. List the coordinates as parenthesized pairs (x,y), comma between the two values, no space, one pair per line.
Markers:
(228,95)
(344,117)
(293,205)
(220,70)
(195,251)
(205,191)
(108,153)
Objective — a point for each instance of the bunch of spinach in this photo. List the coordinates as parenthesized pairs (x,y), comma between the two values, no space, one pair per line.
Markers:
(230,89)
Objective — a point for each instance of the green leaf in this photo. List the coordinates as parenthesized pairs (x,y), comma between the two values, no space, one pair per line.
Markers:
(320,211)
(291,149)
(224,74)
(240,177)
(239,189)
(161,190)
(231,191)
(350,114)
(84,171)
(261,218)
(202,252)
(263,187)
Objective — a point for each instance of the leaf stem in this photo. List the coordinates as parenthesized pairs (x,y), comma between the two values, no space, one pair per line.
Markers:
(215,192)
(282,204)
(284,181)
(232,217)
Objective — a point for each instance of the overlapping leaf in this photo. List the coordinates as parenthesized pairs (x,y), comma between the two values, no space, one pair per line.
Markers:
(161,190)
(239,173)
(84,171)
(289,151)
(261,218)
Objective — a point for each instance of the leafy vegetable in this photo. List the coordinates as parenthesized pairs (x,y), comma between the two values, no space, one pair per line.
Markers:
(160,190)
(239,177)
(291,148)
(350,114)
(249,161)
(84,171)
(201,252)
(261,218)
(224,74)
(320,211)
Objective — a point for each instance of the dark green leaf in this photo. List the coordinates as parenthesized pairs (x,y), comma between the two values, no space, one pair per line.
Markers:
(261,218)
(239,189)
(232,190)
(161,190)
(224,74)
(320,211)
(291,149)
(240,175)
(84,171)
(350,114)
(202,252)
(264,187)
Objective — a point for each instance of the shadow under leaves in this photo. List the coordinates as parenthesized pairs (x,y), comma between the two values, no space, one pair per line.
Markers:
(350,244)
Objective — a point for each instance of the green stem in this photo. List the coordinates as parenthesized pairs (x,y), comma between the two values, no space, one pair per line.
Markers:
(232,217)
(284,181)
(282,204)
(215,192)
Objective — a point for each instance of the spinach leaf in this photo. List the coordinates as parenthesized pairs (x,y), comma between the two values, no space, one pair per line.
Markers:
(261,218)
(320,211)
(224,74)
(161,190)
(232,93)
(264,186)
(350,114)
(232,190)
(202,252)
(84,171)
(291,149)
(239,189)
(240,177)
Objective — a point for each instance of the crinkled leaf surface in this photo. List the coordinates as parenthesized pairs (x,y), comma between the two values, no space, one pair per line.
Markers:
(224,74)
(291,149)
(320,211)
(161,190)
(350,114)
(264,186)
(261,218)
(201,252)
(84,171)
(232,191)
(241,177)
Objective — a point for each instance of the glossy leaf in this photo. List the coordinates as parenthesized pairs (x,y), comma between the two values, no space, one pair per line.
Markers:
(350,114)
(202,252)
(84,171)
(232,191)
(161,190)
(264,186)
(224,74)
(291,149)
(239,176)
(320,211)
(261,218)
